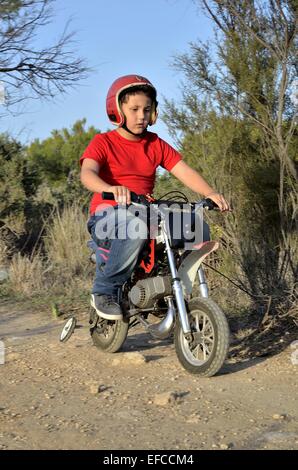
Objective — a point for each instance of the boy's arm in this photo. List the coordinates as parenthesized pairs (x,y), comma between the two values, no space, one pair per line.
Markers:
(194,181)
(90,179)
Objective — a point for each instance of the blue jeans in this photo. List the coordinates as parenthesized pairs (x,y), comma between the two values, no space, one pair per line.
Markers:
(117,247)
(117,253)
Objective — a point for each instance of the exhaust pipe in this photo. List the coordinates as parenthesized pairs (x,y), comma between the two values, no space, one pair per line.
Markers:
(163,329)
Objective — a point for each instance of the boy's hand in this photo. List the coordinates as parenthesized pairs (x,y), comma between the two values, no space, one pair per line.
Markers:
(122,194)
(219,199)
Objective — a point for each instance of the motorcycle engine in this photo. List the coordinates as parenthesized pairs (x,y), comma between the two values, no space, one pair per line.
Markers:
(146,292)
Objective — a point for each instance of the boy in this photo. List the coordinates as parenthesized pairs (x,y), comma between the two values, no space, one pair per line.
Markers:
(121,161)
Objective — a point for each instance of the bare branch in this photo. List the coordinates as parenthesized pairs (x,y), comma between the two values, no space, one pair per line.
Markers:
(214,17)
(32,72)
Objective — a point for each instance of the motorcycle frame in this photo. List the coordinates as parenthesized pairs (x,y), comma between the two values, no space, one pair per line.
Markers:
(182,280)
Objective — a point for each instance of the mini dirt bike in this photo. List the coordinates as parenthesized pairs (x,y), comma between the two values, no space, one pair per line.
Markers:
(162,286)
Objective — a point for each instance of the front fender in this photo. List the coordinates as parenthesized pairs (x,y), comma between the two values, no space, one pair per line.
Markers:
(190,265)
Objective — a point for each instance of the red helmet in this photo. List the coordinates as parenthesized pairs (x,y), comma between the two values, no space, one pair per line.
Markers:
(123,83)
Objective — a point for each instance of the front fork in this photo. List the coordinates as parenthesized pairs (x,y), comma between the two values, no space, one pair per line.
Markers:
(177,288)
(202,283)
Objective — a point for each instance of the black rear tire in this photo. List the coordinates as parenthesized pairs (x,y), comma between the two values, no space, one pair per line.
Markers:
(109,336)
(208,351)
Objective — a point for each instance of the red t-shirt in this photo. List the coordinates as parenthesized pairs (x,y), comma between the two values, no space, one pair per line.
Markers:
(129,163)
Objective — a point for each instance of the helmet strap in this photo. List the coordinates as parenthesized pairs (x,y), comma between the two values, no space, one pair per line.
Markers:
(124,126)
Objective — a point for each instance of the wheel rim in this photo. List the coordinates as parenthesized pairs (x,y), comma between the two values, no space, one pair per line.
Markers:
(68,329)
(200,350)
(106,329)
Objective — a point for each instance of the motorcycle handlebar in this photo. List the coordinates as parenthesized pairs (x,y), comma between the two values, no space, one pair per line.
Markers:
(141,199)
(108,196)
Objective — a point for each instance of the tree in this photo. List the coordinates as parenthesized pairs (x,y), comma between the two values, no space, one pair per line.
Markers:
(27,71)
(56,159)
(37,180)
(238,117)
(12,194)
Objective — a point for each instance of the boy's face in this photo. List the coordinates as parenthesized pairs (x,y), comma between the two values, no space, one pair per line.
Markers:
(137,110)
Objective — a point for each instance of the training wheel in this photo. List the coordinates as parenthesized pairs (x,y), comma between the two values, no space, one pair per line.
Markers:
(68,329)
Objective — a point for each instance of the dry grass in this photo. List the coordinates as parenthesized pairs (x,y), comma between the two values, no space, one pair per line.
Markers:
(65,266)
(3,253)
(26,275)
(65,243)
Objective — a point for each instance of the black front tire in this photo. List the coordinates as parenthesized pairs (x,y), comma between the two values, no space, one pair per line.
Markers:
(208,351)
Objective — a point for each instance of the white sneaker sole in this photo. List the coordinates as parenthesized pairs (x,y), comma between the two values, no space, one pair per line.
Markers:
(104,315)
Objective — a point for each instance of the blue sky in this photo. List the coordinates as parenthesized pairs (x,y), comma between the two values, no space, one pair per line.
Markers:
(117,37)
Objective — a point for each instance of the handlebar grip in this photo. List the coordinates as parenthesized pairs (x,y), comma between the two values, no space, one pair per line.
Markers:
(210,205)
(108,196)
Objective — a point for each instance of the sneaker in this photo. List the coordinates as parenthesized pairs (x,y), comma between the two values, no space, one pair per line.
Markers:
(106,306)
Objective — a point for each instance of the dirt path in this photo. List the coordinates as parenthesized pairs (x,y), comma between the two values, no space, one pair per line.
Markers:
(72,396)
